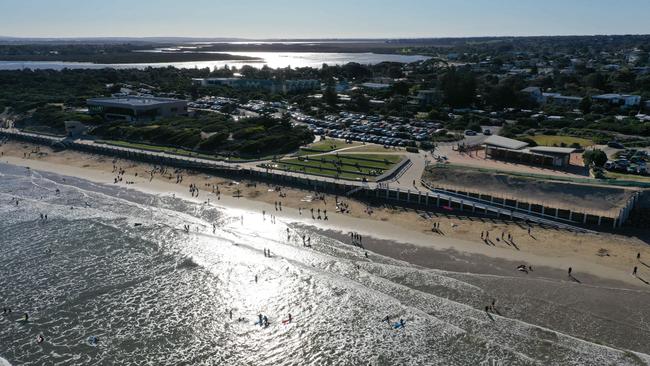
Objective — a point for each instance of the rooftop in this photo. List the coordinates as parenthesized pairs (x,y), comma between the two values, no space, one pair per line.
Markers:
(552,150)
(375,85)
(134,101)
(504,142)
(613,96)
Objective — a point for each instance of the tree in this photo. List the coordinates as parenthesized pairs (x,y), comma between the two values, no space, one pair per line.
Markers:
(329,96)
(400,88)
(458,88)
(594,157)
(359,102)
(585,105)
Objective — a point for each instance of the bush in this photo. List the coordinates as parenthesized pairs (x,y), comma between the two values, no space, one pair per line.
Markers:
(595,157)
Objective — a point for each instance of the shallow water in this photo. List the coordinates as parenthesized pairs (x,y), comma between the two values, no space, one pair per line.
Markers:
(270,59)
(155,294)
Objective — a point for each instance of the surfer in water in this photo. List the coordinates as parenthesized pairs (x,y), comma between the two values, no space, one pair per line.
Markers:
(40,339)
(401,323)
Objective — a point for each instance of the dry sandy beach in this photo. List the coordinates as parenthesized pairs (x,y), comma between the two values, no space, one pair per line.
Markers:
(602,300)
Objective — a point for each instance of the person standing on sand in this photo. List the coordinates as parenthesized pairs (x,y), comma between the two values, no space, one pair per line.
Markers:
(638,256)
(570,270)
(634,271)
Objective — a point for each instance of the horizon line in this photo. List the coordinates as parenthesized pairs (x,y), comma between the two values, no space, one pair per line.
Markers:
(325,38)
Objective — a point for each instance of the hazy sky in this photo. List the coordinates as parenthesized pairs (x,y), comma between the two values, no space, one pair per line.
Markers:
(321,18)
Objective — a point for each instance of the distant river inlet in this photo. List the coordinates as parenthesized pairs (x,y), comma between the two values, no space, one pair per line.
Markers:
(270,59)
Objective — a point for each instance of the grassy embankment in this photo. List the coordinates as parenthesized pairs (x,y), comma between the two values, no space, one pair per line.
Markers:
(559,140)
(166,149)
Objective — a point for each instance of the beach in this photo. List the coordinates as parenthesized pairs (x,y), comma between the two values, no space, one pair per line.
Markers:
(600,254)
(442,281)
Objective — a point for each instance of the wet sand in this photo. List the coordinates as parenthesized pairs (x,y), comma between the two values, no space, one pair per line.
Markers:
(588,307)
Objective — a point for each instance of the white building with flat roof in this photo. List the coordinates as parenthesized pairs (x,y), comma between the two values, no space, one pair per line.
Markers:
(136,109)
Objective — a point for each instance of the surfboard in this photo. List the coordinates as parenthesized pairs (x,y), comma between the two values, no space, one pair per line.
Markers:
(398,325)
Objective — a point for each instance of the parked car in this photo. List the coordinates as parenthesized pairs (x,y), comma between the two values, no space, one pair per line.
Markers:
(470,133)
(487,132)
(615,145)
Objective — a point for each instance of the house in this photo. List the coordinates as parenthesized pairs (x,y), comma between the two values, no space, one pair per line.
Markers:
(620,100)
(534,93)
(502,148)
(561,100)
(136,109)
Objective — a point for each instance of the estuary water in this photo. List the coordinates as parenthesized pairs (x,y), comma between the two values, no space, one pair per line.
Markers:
(270,59)
(118,265)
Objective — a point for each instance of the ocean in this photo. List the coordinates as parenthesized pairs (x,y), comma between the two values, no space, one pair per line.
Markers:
(117,264)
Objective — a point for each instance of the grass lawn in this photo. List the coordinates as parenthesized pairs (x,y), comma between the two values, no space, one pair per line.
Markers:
(327,165)
(329,173)
(558,140)
(371,148)
(326,146)
(628,177)
(353,158)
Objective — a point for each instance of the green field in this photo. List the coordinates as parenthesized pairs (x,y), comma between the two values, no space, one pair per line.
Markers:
(558,140)
(324,146)
(351,166)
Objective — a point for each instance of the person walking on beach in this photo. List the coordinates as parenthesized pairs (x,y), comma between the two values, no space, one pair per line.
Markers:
(255,278)
(570,270)
(638,256)
(634,271)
